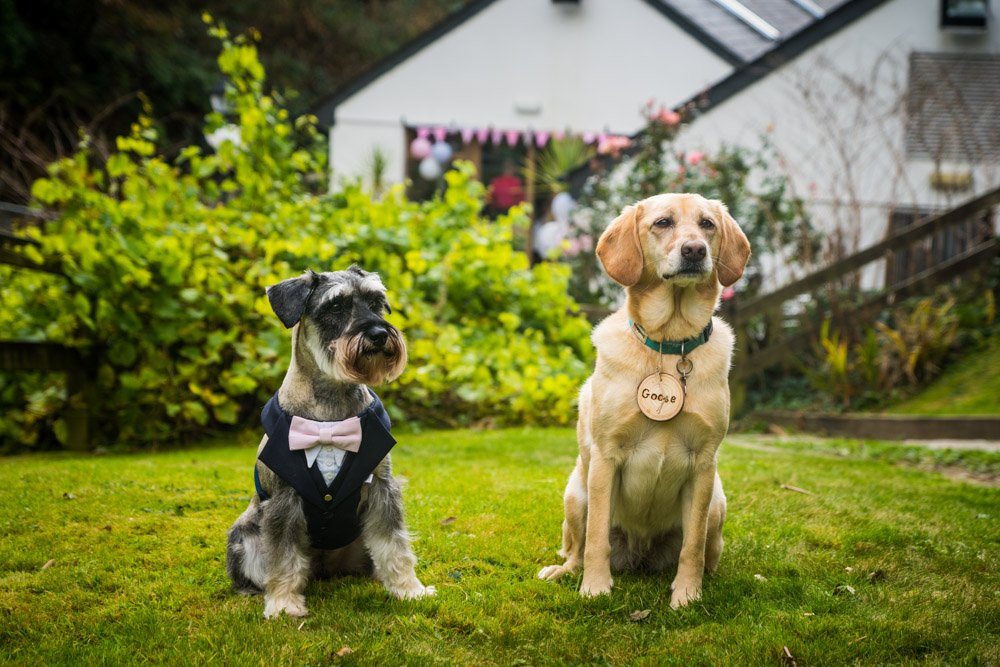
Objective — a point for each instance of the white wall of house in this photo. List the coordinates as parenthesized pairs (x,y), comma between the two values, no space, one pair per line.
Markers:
(844,149)
(527,64)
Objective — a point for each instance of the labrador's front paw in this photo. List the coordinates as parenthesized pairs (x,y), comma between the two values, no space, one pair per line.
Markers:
(594,585)
(683,592)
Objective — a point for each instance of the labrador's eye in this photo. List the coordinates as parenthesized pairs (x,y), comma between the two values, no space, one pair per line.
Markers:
(663,223)
(707,224)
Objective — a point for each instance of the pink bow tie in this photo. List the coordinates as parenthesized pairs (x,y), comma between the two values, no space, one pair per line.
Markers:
(306,433)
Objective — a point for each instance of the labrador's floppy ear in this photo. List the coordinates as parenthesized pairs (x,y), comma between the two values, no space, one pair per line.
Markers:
(288,298)
(734,249)
(619,249)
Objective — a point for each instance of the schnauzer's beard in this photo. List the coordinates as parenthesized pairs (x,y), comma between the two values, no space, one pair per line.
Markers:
(356,360)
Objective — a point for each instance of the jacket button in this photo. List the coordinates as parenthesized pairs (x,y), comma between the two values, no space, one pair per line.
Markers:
(328,497)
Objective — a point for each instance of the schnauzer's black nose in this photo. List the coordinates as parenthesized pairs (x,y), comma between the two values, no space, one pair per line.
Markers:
(693,250)
(377,334)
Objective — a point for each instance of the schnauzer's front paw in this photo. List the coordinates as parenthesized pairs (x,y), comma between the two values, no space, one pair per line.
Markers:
(593,586)
(293,605)
(412,590)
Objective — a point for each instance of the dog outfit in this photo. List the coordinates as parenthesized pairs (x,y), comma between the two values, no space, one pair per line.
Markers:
(327,463)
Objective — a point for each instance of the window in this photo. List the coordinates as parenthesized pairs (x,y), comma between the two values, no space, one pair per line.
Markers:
(964,13)
(951,107)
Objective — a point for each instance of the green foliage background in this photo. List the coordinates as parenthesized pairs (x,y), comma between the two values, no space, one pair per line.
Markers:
(167,261)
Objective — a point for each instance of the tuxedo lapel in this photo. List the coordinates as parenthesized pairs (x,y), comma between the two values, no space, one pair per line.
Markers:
(286,464)
(376,442)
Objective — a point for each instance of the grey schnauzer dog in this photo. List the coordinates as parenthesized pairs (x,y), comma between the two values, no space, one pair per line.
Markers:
(326,502)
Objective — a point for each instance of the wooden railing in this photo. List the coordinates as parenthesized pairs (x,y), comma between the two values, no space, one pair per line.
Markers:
(771,307)
(20,356)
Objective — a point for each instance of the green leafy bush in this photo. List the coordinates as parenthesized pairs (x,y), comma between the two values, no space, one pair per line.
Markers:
(166,264)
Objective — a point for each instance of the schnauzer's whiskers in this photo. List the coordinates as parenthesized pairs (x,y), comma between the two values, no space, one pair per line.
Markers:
(357,359)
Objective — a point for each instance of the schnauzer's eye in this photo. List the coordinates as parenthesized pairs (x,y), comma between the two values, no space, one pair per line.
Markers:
(340,304)
(375,304)
(664,223)
(707,224)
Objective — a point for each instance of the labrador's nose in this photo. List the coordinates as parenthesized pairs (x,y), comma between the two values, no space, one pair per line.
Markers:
(694,250)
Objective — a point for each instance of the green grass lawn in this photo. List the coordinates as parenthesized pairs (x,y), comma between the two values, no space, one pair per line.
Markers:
(879,564)
(970,386)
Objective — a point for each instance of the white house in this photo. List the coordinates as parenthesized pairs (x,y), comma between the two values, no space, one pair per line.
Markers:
(536,68)
(881,110)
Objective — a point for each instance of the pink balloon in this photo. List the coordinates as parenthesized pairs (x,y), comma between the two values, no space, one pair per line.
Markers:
(420,148)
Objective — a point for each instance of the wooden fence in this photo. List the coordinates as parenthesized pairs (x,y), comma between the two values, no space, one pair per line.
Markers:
(767,313)
(43,356)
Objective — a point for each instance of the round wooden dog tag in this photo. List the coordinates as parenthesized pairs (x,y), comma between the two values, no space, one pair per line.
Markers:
(660,396)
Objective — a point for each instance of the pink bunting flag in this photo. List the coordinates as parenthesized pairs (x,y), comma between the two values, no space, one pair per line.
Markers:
(588,137)
(541,138)
(559,135)
(467,133)
(440,133)
(496,136)
(512,137)
(482,134)
(423,132)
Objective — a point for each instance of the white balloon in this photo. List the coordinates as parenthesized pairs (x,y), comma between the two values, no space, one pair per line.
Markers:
(430,169)
(562,206)
(441,152)
(549,237)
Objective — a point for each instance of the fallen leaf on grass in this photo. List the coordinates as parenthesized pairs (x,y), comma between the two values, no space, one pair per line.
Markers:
(448,521)
(344,650)
(789,487)
(808,613)
(843,588)
(787,656)
(49,563)
(760,577)
(877,575)
(636,616)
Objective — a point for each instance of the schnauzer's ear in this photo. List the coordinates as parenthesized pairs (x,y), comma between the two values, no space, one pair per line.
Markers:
(288,298)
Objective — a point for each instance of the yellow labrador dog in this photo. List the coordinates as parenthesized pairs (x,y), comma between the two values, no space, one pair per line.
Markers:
(645,494)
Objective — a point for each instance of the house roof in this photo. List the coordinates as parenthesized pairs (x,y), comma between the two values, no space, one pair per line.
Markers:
(740,32)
